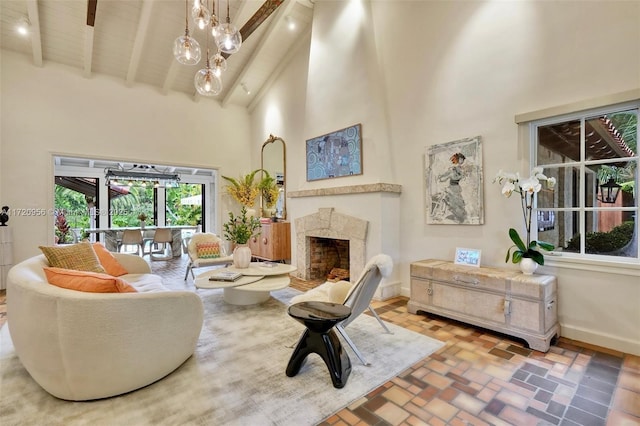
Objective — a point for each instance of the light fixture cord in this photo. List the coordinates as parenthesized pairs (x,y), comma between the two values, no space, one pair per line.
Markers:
(228,19)
(186,17)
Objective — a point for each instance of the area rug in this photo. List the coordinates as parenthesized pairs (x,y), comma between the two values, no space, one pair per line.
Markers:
(236,376)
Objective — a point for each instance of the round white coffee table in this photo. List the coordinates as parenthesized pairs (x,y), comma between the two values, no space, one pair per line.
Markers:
(255,285)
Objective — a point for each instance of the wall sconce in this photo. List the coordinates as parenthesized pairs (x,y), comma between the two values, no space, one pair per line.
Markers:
(245,88)
(609,192)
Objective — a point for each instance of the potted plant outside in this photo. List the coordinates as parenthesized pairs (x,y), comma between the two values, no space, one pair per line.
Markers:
(142,218)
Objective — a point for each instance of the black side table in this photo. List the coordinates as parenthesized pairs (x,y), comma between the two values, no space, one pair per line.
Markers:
(320,338)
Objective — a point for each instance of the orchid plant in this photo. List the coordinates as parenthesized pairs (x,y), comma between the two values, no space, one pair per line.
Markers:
(527,188)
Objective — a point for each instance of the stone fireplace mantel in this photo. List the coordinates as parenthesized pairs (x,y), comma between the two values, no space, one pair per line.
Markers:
(344,190)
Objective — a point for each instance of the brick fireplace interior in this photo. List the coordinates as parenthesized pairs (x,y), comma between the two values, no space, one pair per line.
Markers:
(329,258)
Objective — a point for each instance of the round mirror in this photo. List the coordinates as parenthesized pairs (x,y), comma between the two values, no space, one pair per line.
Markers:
(274,161)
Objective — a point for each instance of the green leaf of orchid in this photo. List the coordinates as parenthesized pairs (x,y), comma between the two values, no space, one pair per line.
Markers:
(546,246)
(536,256)
(506,259)
(513,234)
(517,256)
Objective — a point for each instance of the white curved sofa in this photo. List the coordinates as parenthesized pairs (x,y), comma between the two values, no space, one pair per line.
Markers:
(81,346)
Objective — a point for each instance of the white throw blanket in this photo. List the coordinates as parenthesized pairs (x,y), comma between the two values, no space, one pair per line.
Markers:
(336,292)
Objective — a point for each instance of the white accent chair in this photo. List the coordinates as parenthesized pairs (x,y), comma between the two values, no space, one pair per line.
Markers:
(357,296)
(197,262)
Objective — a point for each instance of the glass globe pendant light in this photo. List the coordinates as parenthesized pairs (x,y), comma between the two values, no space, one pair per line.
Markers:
(219,64)
(207,82)
(214,21)
(229,38)
(200,14)
(186,48)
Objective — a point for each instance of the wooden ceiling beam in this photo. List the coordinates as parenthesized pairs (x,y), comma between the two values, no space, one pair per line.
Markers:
(261,15)
(88,36)
(91,12)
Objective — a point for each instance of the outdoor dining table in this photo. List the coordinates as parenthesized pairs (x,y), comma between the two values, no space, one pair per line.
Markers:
(111,235)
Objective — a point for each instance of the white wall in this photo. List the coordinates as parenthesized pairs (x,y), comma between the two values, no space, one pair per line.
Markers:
(55,110)
(451,70)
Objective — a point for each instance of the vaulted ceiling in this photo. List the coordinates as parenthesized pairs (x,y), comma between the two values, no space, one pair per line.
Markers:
(132,40)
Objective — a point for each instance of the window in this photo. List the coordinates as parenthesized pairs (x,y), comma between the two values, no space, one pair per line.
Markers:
(87,203)
(593,210)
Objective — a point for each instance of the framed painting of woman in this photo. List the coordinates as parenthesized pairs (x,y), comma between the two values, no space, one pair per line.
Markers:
(453,174)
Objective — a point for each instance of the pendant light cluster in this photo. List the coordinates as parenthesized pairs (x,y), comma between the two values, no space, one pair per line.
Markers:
(227,38)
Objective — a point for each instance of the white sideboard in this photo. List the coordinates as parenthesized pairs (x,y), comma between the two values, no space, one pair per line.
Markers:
(6,254)
(505,301)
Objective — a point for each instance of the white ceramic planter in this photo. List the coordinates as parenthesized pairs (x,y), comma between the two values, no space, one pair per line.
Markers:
(241,256)
(528,266)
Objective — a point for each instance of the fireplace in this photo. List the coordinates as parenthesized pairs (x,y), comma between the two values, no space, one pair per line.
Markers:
(349,232)
(329,259)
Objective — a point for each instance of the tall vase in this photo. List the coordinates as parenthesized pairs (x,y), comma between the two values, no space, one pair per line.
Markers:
(528,266)
(241,256)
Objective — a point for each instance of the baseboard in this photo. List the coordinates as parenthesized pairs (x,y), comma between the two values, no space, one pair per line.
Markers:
(387,290)
(600,339)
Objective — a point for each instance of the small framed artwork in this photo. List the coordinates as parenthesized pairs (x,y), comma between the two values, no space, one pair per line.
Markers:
(465,256)
(335,154)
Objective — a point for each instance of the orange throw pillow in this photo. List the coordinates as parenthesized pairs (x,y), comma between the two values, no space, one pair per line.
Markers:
(91,282)
(109,261)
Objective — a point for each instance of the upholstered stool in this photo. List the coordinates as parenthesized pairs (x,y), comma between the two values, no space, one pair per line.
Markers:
(320,338)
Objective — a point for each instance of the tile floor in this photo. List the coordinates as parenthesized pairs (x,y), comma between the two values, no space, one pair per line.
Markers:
(483,378)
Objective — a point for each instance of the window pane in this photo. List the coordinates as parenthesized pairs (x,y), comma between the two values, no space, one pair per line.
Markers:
(126,206)
(606,184)
(557,228)
(559,143)
(184,204)
(75,201)
(565,193)
(609,233)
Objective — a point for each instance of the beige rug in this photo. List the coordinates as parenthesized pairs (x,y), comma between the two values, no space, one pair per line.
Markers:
(236,376)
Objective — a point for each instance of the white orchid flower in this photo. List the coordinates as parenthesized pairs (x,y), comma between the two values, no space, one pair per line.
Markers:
(508,189)
(551,182)
(537,171)
(540,176)
(531,185)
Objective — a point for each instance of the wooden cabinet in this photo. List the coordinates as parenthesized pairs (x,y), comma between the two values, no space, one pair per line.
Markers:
(273,243)
(506,301)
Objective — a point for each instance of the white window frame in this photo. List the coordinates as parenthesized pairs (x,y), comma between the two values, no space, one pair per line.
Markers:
(529,122)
